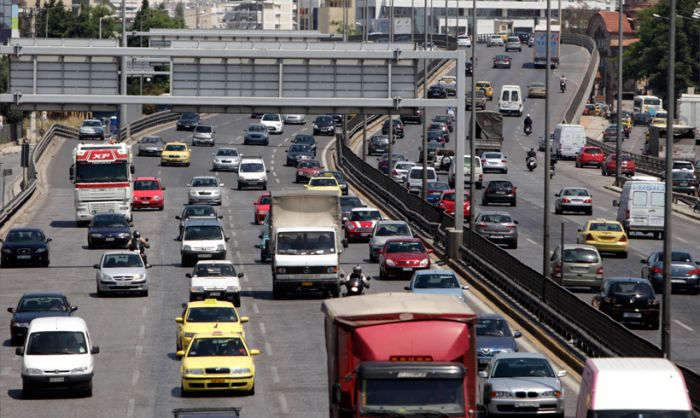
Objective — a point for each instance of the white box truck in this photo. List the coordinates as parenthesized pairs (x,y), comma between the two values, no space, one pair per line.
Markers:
(306,242)
(539,49)
(641,206)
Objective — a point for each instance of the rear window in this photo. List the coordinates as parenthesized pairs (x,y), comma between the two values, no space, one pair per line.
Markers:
(593,151)
(418,174)
(639,198)
(580,255)
(632,289)
(610,227)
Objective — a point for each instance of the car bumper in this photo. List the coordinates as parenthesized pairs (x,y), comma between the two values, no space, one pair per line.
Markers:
(215,294)
(677,283)
(327,131)
(14,259)
(499,198)
(188,126)
(494,167)
(296,283)
(359,235)
(205,141)
(497,236)
(149,151)
(609,247)
(194,384)
(591,162)
(110,242)
(256,141)
(225,166)
(403,271)
(575,208)
(570,280)
(526,406)
(260,217)
(205,199)
(64,381)
(252,183)
(632,315)
(122,287)
(295,121)
(148,204)
(201,255)
(274,129)
(99,135)
(165,161)
(684,189)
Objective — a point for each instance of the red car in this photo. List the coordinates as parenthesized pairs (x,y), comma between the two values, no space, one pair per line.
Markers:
(262,207)
(307,169)
(627,163)
(447,202)
(590,156)
(360,223)
(402,256)
(148,194)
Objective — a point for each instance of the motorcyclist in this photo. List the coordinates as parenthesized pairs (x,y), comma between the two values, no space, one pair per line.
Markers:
(562,82)
(532,153)
(451,112)
(527,123)
(357,273)
(136,243)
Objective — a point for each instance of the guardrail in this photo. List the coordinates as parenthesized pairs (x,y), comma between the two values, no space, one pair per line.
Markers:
(579,102)
(149,122)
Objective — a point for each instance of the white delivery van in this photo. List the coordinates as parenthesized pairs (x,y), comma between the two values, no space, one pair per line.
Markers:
(511,100)
(632,387)
(568,140)
(478,172)
(414,178)
(641,207)
(57,354)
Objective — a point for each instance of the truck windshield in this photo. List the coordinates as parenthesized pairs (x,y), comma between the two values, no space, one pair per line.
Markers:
(305,243)
(639,414)
(434,395)
(95,173)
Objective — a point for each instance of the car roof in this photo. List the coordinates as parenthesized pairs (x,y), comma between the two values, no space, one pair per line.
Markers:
(391,222)
(214,262)
(175,143)
(580,246)
(40,294)
(203,221)
(119,252)
(209,303)
(490,316)
(146,178)
(434,271)
(57,323)
(519,354)
(402,239)
(626,279)
(26,230)
(205,177)
(363,209)
(495,212)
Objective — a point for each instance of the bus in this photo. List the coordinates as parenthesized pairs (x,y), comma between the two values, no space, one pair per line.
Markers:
(647,104)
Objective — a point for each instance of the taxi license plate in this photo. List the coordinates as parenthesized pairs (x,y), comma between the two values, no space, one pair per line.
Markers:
(407,269)
(109,239)
(57,379)
(631,315)
(307,284)
(24,257)
(218,380)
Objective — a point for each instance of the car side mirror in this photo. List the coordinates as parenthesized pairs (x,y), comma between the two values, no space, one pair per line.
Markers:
(220,216)
(178,217)
(222,185)
(149,265)
(557,194)
(429,251)
(178,320)
(240,275)
(180,353)
(579,230)
(697,263)
(227,238)
(515,222)
(380,251)
(163,188)
(260,236)
(345,219)
(254,352)
(483,374)
(465,287)
(306,186)
(286,150)
(49,240)
(561,373)
(188,185)
(643,261)
(132,169)
(616,203)
(19,351)
(11,310)
(73,308)
(95,349)
(96,266)
(244,319)
(267,171)
(517,334)
(406,288)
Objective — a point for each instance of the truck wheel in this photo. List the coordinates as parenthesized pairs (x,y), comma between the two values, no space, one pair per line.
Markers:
(335,291)
(276,292)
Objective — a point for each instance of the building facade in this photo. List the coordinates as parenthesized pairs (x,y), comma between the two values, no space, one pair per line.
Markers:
(261,15)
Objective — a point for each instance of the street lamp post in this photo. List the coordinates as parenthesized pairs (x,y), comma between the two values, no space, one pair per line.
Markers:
(618,158)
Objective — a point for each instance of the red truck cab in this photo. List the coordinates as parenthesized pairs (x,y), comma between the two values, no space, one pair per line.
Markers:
(402,353)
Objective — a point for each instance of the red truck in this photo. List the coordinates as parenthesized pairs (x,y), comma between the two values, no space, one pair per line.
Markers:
(400,354)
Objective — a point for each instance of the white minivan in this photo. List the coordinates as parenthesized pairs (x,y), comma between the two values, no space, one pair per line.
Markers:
(414,179)
(568,139)
(641,207)
(57,354)
(478,172)
(511,100)
(632,387)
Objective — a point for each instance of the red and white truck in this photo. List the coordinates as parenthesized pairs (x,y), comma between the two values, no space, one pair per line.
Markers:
(400,354)
(102,175)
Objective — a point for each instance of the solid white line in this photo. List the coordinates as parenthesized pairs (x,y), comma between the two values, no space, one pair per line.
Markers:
(684,241)
(255,308)
(130,409)
(142,331)
(233,233)
(263,330)
(268,349)
(235,243)
(531,241)
(275,374)
(144,311)
(135,377)
(682,325)
(277,180)
(238,254)
(283,404)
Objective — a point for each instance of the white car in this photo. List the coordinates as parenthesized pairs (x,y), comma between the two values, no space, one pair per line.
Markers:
(202,237)
(273,122)
(495,40)
(205,189)
(683,166)
(91,128)
(464,41)
(57,354)
(494,161)
(203,135)
(400,170)
(227,158)
(252,173)
(121,271)
(215,279)
(414,179)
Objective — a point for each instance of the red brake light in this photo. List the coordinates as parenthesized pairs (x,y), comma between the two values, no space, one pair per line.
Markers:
(393,172)
(656,270)
(589,200)
(557,268)
(599,271)
(623,238)
(694,272)
(411,358)
(481,224)
(565,200)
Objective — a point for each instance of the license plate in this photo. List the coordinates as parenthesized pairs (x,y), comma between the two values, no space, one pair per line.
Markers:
(57,379)
(524,404)
(684,183)
(364,234)
(205,255)
(677,281)
(109,239)
(218,380)
(500,192)
(407,269)
(123,283)
(24,257)
(215,294)
(307,284)
(496,236)
(631,315)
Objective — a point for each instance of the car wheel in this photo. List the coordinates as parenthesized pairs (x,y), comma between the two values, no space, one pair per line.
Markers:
(144,293)
(237,301)
(589,212)
(654,324)
(100,293)
(372,258)
(382,274)
(183,392)
(335,291)
(239,186)
(513,203)
(277,293)
(514,245)
(27,390)
(624,255)
(262,256)
(251,392)
(87,392)
(264,187)
(557,210)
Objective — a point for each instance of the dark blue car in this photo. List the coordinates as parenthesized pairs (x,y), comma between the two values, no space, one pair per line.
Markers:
(493,336)
(109,230)
(36,305)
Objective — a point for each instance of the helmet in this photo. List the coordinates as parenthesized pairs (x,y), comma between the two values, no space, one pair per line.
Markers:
(528,115)
(137,234)
(357,269)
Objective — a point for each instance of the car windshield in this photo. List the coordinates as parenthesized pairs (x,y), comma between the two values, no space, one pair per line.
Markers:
(605,226)
(146,185)
(304,139)
(436,281)
(495,218)
(522,367)
(199,211)
(581,255)
(537,85)
(217,347)
(438,185)
(323,182)
(227,152)
(450,197)
(257,128)
(174,147)
(677,165)
(350,202)
(251,168)
(493,155)
(203,232)
(492,327)
(388,230)
(122,261)
(212,314)
(56,342)
(323,120)
(205,182)
(203,129)
(683,175)
(24,236)
(340,177)
(92,123)
(271,117)
(305,243)
(500,184)
(189,116)
(631,289)
(110,221)
(404,247)
(265,199)
(299,148)
(678,256)
(417,173)
(380,139)
(214,270)
(309,164)
(151,140)
(365,215)
(42,304)
(442,118)
(593,151)
(403,166)
(575,192)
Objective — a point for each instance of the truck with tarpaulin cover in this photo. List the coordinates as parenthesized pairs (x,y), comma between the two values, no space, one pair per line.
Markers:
(489,131)
(400,354)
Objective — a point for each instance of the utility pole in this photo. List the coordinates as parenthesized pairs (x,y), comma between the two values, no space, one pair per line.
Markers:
(472,127)
(424,142)
(547,148)
(123,123)
(618,157)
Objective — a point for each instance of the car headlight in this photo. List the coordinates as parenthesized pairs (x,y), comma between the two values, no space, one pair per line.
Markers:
(7,251)
(501,394)
(140,276)
(216,192)
(35,371)
(157,198)
(551,393)
(220,247)
(96,235)
(240,370)
(189,334)
(281,270)
(21,324)
(424,262)
(390,262)
(79,369)
(186,248)
(233,289)
(40,250)
(315,126)
(123,235)
(332,269)
(193,193)
(196,289)
(194,371)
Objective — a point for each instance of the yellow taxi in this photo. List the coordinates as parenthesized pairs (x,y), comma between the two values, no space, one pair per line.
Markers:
(486,87)
(217,361)
(175,153)
(206,316)
(324,183)
(606,236)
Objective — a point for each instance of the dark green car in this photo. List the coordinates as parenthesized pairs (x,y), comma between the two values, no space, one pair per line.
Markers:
(684,181)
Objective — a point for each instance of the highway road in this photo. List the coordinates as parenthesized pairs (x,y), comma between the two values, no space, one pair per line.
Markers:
(529,211)
(137,372)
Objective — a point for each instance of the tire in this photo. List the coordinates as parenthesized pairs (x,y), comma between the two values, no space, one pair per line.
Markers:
(654,324)
(335,291)
(15,341)
(237,301)
(513,203)
(557,210)
(100,293)
(144,293)
(589,212)
(192,298)
(27,391)
(624,255)
(184,261)
(264,187)
(277,293)
(514,245)
(87,392)
(183,392)
(251,392)
(484,203)
(239,186)
(382,274)
(372,258)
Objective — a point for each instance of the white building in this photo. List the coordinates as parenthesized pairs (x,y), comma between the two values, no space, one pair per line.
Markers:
(261,14)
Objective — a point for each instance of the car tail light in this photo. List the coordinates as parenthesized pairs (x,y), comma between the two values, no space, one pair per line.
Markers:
(510,226)
(589,237)
(589,200)
(627,214)
(557,268)
(653,302)
(351,225)
(565,200)
(504,161)
(694,272)
(393,172)
(656,270)
(483,161)
(623,238)
(599,271)
(482,224)
(481,177)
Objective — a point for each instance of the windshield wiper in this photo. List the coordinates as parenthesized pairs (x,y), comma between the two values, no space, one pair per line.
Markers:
(383,413)
(429,413)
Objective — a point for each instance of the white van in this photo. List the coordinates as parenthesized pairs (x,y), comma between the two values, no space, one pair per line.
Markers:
(57,354)
(414,178)
(632,387)
(641,207)
(511,100)
(478,172)
(568,140)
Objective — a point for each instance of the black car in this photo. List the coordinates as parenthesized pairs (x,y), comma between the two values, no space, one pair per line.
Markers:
(187,121)
(499,191)
(111,230)
(305,139)
(415,117)
(324,124)
(437,91)
(493,336)
(299,152)
(338,119)
(339,177)
(628,299)
(25,246)
(378,144)
(398,128)
(438,135)
(36,305)
(641,119)
(348,203)
(432,148)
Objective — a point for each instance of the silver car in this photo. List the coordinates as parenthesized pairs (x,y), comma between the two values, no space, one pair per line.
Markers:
(294,119)
(205,189)
(521,383)
(400,170)
(384,231)
(151,145)
(203,135)
(498,227)
(583,266)
(227,158)
(494,161)
(573,199)
(121,271)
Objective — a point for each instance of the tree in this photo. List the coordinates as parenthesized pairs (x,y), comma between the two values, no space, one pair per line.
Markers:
(180,11)
(576,19)
(648,58)
(147,18)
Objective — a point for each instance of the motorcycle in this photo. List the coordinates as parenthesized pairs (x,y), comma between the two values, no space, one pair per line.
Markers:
(527,129)
(355,286)
(531,163)
(562,86)
(142,251)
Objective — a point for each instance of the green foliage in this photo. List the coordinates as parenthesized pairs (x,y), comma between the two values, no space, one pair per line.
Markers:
(148,17)
(577,18)
(648,58)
